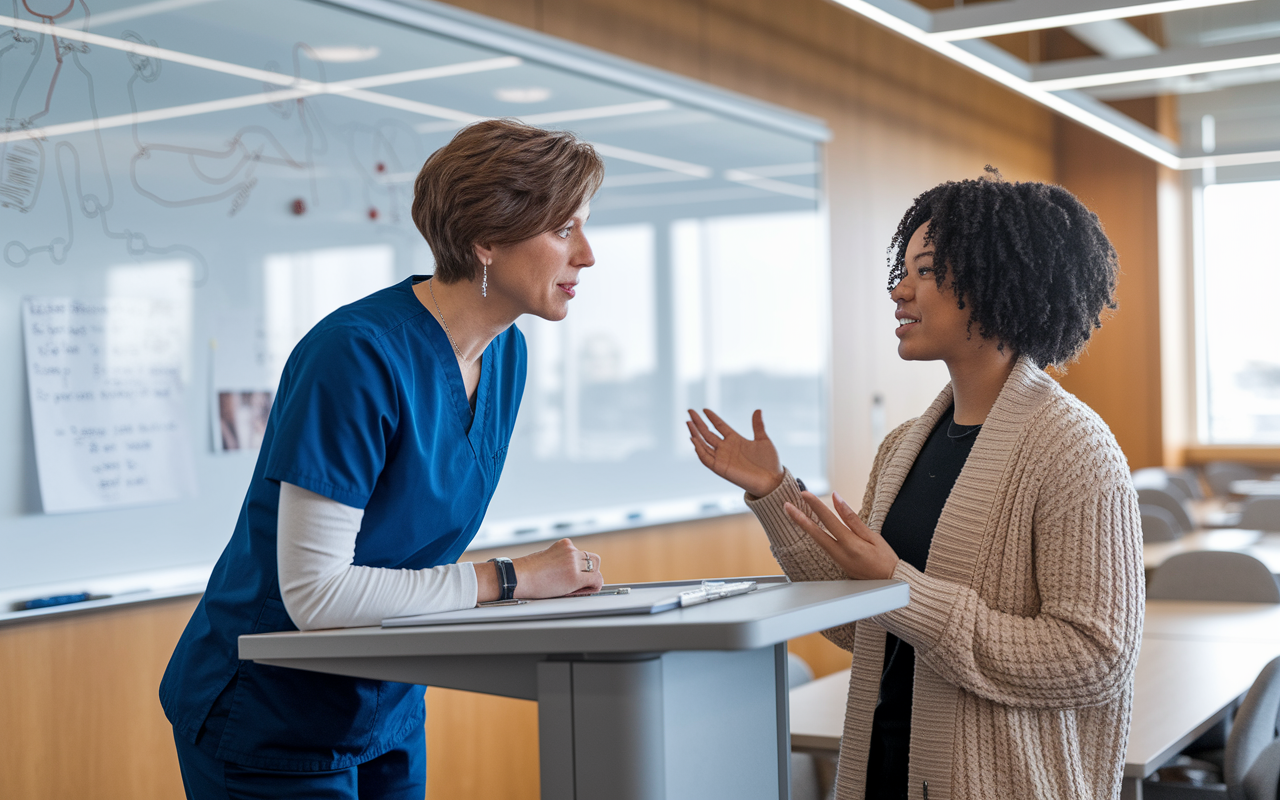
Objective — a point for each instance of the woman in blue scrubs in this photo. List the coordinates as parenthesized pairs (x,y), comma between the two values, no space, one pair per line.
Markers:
(383,449)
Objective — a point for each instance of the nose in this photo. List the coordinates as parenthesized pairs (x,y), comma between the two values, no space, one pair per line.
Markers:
(585,257)
(900,292)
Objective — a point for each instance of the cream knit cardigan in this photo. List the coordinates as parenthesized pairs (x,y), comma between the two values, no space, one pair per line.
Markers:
(1027,619)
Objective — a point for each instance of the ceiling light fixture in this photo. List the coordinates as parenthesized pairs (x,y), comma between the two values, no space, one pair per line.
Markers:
(1148,148)
(345,54)
(1019,16)
(1081,73)
(525,94)
(597,112)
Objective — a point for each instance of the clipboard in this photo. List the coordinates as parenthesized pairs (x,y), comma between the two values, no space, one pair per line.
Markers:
(641,599)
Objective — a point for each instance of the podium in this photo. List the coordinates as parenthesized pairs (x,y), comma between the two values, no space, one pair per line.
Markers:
(690,703)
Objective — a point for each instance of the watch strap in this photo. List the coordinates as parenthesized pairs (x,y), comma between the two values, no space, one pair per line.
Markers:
(506,576)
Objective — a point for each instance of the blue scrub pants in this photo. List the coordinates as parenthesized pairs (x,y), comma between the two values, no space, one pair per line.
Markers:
(398,774)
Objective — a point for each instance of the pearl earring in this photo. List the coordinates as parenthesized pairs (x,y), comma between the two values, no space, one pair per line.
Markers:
(484,282)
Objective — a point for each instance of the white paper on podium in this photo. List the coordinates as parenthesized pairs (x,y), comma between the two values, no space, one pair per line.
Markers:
(642,599)
(105,378)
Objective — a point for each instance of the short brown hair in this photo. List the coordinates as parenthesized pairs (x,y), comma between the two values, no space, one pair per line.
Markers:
(499,182)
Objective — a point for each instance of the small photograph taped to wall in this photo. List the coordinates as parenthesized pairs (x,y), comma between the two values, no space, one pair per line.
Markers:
(242,419)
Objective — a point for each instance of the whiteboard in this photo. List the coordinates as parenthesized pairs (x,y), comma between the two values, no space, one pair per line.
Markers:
(267,152)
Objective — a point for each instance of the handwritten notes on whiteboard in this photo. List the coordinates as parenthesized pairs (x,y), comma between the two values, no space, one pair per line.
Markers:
(107,401)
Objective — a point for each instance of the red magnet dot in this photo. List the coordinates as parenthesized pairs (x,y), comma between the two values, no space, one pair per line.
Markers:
(373,213)
(381,167)
(299,207)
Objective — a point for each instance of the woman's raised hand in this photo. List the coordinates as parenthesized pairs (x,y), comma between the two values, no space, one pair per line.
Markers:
(750,464)
(559,570)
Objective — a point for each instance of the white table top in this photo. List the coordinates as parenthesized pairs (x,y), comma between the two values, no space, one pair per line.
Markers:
(1221,622)
(817,712)
(1256,488)
(745,622)
(1264,546)
(1196,659)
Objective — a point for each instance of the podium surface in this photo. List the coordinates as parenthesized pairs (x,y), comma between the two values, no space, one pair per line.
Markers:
(687,703)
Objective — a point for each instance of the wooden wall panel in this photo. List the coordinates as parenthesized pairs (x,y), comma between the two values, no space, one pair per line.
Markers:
(1119,374)
(79,713)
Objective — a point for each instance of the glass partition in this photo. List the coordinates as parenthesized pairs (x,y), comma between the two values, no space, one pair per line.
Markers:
(265,154)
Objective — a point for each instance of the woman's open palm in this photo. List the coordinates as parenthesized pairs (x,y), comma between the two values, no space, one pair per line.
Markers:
(751,464)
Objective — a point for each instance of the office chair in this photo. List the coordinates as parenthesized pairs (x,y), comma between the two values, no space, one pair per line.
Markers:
(1252,763)
(1182,483)
(1214,575)
(1158,525)
(1169,502)
(1261,514)
(1188,482)
(1220,474)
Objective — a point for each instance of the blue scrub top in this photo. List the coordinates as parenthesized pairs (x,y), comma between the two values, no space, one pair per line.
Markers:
(371,412)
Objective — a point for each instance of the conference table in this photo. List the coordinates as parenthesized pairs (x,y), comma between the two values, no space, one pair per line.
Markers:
(1256,488)
(688,703)
(1196,661)
(1265,546)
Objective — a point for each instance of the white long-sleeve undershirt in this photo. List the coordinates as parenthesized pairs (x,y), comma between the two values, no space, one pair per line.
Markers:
(322,588)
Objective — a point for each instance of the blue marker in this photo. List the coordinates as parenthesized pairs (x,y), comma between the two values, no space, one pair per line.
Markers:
(57,600)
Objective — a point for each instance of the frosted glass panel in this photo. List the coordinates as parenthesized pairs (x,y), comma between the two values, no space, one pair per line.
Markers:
(253,163)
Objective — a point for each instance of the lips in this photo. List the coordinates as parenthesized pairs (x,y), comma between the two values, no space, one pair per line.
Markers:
(567,288)
(905,323)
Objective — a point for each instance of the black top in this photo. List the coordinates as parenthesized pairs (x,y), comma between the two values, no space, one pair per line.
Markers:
(908,528)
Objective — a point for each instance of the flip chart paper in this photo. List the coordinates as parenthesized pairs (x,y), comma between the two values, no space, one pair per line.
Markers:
(107,401)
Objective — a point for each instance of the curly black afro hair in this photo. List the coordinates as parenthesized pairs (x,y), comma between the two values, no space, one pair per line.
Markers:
(1028,259)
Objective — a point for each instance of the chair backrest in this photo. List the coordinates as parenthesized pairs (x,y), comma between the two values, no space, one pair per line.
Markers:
(1220,474)
(1188,482)
(1158,525)
(1182,483)
(798,671)
(1167,501)
(1252,748)
(1260,514)
(1214,575)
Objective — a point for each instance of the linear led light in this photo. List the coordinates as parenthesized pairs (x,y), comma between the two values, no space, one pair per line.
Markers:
(1042,21)
(155,115)
(351,88)
(597,112)
(1017,84)
(650,160)
(760,182)
(143,10)
(1155,73)
(570,115)
(1232,159)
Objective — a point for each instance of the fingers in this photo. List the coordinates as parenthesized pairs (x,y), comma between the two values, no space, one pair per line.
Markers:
(851,518)
(704,453)
(722,427)
(835,526)
(702,430)
(757,425)
(810,527)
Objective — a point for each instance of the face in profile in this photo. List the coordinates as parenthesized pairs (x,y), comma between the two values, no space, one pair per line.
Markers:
(931,324)
(539,275)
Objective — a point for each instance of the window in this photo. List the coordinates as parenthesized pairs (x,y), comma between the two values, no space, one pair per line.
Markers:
(1239,288)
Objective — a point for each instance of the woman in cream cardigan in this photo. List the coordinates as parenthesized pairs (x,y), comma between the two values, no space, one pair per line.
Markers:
(1006,506)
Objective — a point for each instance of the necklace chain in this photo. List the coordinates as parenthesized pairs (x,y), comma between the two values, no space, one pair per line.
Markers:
(965,430)
(439,313)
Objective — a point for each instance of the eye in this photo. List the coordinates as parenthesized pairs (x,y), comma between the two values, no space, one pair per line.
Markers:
(564,232)
(922,271)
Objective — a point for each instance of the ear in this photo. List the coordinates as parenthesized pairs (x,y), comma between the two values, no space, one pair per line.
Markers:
(484,253)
